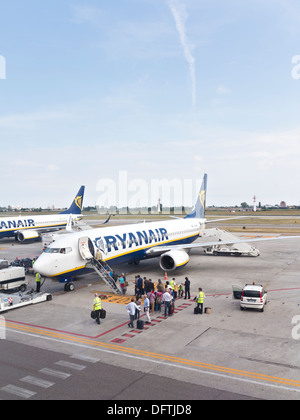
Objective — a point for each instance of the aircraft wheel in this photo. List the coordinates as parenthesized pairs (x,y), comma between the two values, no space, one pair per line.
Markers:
(71,287)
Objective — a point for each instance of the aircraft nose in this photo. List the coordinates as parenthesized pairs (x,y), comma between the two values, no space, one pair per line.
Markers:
(40,266)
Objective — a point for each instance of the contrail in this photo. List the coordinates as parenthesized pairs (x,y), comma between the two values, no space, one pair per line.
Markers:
(180,15)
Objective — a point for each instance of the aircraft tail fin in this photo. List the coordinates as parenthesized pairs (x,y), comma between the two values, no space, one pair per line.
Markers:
(76,206)
(198,211)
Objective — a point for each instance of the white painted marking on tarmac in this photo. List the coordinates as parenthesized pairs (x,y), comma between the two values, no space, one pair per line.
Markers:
(234,378)
(70,365)
(37,382)
(19,392)
(55,373)
(85,358)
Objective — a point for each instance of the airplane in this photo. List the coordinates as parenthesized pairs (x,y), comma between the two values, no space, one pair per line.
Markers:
(170,240)
(29,228)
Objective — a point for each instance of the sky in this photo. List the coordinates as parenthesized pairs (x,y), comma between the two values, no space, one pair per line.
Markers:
(97,93)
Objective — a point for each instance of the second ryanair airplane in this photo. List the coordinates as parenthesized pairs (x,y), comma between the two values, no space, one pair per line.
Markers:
(29,228)
(169,240)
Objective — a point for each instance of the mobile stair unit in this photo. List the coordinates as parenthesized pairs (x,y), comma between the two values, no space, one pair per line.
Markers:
(86,250)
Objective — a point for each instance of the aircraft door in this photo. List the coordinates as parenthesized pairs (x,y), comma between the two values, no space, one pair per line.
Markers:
(86,248)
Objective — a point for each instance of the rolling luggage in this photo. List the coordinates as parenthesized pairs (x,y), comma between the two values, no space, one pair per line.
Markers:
(103,314)
(93,315)
(140,324)
(171,308)
(196,310)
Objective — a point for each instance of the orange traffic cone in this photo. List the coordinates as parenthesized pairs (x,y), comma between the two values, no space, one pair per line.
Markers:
(166,276)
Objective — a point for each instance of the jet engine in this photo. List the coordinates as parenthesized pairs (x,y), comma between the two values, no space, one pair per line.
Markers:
(27,235)
(173,259)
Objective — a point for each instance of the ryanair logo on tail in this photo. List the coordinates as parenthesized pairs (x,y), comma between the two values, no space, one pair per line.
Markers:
(78,201)
(202,197)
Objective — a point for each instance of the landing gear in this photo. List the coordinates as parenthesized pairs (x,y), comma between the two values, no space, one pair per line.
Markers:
(69,287)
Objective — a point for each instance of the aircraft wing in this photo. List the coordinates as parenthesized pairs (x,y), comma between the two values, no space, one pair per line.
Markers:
(166,248)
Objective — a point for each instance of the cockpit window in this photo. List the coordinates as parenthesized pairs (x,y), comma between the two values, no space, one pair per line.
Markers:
(50,250)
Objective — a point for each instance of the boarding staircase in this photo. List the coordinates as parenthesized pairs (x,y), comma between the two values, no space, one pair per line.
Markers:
(86,250)
(104,275)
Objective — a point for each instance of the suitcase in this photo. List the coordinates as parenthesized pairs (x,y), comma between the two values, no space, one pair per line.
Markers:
(103,314)
(196,310)
(140,324)
(93,315)
(171,308)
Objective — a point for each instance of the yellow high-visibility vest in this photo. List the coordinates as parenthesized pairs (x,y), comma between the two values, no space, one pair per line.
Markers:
(200,297)
(97,304)
(172,284)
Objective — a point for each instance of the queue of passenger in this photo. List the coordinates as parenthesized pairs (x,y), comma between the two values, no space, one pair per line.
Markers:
(153,298)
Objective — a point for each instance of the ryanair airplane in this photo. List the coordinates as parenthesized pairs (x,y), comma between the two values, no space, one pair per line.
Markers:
(169,240)
(29,228)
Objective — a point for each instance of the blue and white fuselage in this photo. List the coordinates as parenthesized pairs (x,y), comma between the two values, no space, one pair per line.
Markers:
(25,228)
(125,244)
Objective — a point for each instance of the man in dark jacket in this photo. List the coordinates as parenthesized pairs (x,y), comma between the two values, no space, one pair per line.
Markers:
(187,294)
(139,287)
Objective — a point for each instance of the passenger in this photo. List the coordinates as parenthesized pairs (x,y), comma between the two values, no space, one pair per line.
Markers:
(151,297)
(167,298)
(139,287)
(160,286)
(146,309)
(146,285)
(158,301)
(131,308)
(122,284)
(114,275)
(138,309)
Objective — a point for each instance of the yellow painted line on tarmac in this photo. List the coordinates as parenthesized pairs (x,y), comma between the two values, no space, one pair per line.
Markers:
(150,355)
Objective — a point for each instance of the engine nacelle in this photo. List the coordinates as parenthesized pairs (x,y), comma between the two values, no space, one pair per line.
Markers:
(27,235)
(173,259)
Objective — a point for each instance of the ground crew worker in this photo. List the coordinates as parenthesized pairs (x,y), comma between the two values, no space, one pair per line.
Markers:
(97,307)
(38,282)
(200,300)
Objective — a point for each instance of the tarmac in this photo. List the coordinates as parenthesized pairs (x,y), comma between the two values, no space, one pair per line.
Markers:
(248,353)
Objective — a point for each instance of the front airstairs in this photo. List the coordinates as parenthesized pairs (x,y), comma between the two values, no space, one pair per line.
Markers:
(103,270)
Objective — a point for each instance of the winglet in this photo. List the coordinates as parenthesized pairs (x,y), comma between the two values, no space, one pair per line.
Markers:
(198,211)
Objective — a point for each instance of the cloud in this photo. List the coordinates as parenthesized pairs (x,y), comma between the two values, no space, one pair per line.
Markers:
(223,90)
(85,14)
(180,15)
(32,120)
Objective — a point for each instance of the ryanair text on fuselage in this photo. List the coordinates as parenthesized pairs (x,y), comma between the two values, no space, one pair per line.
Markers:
(126,240)
(16,224)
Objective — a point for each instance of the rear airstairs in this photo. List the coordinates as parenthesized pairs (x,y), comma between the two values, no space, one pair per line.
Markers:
(103,270)
(232,248)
